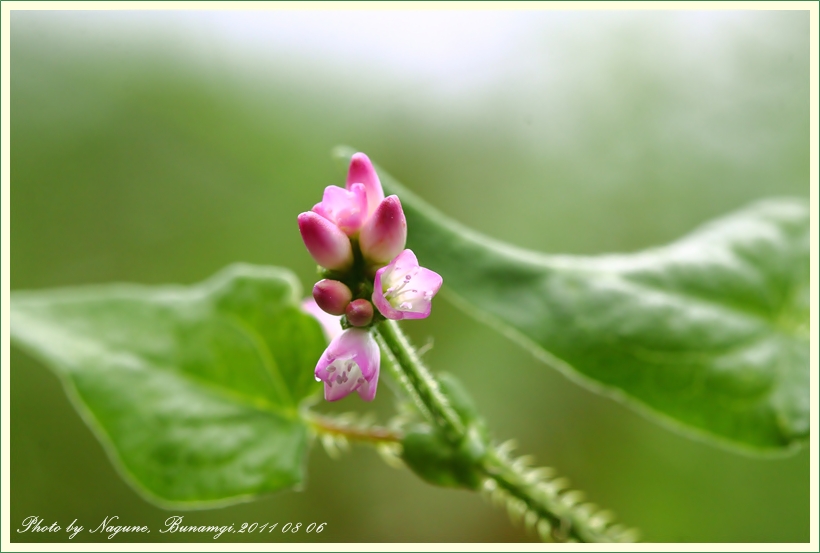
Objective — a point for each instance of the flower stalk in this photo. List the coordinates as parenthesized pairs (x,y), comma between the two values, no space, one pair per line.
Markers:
(357,237)
(371,281)
(533,495)
(419,383)
(356,433)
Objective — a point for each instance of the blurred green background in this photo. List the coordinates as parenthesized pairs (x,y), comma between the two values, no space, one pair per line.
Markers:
(158,147)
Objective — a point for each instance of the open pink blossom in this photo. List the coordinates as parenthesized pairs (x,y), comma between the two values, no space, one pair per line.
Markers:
(347,209)
(403,289)
(350,364)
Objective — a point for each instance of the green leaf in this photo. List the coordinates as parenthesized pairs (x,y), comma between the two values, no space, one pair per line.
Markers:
(709,333)
(195,391)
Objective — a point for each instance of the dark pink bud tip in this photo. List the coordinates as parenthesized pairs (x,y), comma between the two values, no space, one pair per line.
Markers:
(332,296)
(359,312)
(385,233)
(328,245)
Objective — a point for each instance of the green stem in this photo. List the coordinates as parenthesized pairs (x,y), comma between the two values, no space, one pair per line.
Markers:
(563,526)
(372,434)
(418,382)
(545,503)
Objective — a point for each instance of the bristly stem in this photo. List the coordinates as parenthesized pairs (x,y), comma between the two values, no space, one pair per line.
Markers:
(418,382)
(558,513)
(541,501)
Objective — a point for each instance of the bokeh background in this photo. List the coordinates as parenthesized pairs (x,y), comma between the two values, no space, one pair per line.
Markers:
(158,147)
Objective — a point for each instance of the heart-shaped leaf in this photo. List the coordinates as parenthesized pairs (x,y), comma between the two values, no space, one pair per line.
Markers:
(709,333)
(195,391)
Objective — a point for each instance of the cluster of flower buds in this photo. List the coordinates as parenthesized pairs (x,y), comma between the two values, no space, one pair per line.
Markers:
(357,236)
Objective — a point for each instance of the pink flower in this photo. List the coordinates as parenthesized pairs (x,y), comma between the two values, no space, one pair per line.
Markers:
(330,324)
(350,208)
(328,245)
(385,232)
(350,364)
(332,296)
(347,209)
(361,170)
(403,289)
(359,312)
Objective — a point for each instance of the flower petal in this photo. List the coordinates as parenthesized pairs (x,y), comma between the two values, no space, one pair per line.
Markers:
(347,209)
(404,261)
(403,289)
(361,170)
(384,234)
(427,280)
(330,324)
(343,382)
(380,301)
(329,246)
(367,391)
(349,362)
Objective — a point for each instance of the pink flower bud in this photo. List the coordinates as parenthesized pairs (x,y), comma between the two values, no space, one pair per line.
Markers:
(332,296)
(347,209)
(403,290)
(361,170)
(359,312)
(350,363)
(385,233)
(328,245)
